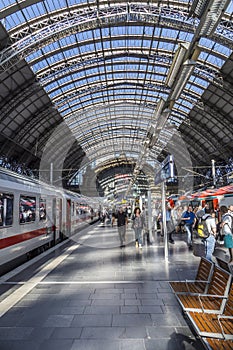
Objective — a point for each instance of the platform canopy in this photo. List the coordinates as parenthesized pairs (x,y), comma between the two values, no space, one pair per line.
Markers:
(104,83)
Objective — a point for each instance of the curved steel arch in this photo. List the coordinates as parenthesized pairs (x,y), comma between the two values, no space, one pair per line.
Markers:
(154,85)
(105,155)
(68,66)
(27,43)
(19,96)
(136,14)
(73,94)
(111,104)
(99,57)
(89,139)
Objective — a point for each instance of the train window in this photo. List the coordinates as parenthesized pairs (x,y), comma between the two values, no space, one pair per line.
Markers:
(42,211)
(78,210)
(6,209)
(27,209)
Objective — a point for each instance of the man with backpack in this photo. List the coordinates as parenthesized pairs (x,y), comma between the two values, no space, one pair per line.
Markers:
(227,225)
(208,223)
(190,219)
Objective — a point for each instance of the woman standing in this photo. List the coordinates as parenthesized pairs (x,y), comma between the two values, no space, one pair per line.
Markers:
(227,224)
(138,223)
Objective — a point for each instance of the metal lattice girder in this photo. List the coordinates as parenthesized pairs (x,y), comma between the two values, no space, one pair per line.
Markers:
(19,97)
(103,154)
(208,135)
(201,149)
(223,119)
(65,23)
(62,68)
(57,26)
(225,30)
(90,139)
(210,74)
(92,88)
(90,136)
(38,118)
(228,87)
(97,106)
(113,114)
(100,151)
(107,14)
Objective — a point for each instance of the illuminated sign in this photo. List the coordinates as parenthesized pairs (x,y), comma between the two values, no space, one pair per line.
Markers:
(166,171)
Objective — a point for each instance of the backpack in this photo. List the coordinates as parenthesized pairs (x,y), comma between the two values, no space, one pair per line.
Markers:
(202,228)
(231,227)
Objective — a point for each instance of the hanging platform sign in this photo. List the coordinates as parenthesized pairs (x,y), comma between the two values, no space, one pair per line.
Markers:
(167,170)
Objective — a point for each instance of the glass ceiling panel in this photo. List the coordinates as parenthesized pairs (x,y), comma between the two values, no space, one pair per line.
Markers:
(105,96)
(126,65)
(5,3)
(230,8)
(199,81)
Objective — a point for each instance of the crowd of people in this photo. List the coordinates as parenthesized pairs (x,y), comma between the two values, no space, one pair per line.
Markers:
(219,224)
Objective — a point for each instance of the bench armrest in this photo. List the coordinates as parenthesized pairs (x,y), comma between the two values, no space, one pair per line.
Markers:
(187,282)
(215,296)
(225,317)
(208,295)
(226,335)
(201,296)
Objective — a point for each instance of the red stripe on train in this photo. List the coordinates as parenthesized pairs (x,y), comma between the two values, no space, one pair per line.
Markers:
(9,241)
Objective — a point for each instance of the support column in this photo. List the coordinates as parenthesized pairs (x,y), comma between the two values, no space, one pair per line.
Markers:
(164,220)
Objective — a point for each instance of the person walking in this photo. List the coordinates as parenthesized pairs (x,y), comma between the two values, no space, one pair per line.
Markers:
(190,218)
(227,225)
(138,224)
(205,215)
(122,221)
(169,223)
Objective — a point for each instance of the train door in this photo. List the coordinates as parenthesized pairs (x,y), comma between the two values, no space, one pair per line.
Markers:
(68,217)
(210,203)
(61,235)
(54,221)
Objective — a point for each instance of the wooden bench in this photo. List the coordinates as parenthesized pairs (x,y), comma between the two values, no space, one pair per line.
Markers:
(213,301)
(217,344)
(223,264)
(214,325)
(199,284)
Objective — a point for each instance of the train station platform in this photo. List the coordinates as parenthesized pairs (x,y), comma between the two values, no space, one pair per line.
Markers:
(90,294)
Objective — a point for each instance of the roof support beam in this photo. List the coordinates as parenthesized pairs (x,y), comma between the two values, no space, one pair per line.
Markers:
(52,28)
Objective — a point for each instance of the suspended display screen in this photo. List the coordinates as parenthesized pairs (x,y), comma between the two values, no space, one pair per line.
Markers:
(166,171)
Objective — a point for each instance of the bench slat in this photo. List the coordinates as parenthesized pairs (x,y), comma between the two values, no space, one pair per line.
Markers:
(199,284)
(218,286)
(218,344)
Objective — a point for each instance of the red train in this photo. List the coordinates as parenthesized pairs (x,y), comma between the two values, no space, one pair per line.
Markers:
(215,197)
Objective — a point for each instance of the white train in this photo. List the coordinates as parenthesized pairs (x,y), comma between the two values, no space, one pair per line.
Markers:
(35,216)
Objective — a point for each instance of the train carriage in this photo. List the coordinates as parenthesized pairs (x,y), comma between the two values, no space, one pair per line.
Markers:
(35,216)
(215,197)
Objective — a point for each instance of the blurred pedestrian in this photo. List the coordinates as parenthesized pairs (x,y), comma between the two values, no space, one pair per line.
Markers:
(190,219)
(138,224)
(227,225)
(122,221)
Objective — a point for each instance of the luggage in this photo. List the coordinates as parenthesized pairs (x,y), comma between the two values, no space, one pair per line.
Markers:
(199,248)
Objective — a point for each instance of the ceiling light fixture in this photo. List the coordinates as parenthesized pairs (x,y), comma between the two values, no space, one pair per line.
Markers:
(184,76)
(210,13)
(159,108)
(176,63)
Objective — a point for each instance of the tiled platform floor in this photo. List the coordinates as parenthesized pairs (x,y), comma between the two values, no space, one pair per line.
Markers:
(90,294)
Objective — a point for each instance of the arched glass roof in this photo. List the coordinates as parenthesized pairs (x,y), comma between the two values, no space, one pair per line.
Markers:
(119,73)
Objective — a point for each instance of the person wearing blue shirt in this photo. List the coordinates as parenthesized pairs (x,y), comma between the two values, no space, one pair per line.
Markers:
(190,219)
